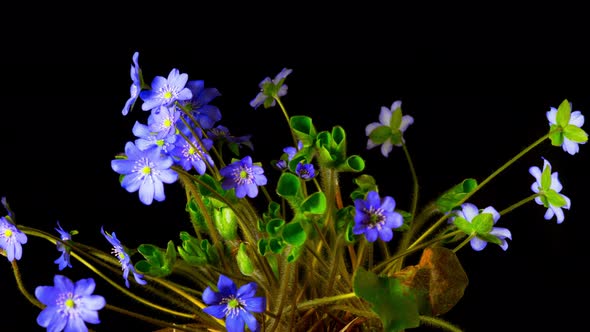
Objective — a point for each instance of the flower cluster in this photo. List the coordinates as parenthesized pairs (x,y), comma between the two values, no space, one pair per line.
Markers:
(305,253)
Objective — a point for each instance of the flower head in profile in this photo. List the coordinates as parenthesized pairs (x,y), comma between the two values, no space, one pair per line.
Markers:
(135,85)
(63,261)
(166,91)
(548,186)
(244,176)
(479,225)
(11,239)
(69,305)
(566,127)
(146,171)
(205,114)
(235,304)
(389,130)
(221,135)
(375,217)
(123,257)
(271,89)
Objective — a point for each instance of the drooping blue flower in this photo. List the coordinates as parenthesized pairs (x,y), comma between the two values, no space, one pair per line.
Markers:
(291,150)
(64,260)
(305,171)
(11,239)
(244,176)
(135,85)
(570,134)
(205,114)
(236,305)
(389,130)
(271,89)
(146,171)
(470,213)
(191,154)
(123,257)
(375,217)
(549,187)
(222,135)
(69,305)
(166,91)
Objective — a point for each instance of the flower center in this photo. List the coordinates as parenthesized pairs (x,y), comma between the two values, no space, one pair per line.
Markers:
(7,233)
(146,170)
(70,303)
(375,218)
(233,305)
(243,175)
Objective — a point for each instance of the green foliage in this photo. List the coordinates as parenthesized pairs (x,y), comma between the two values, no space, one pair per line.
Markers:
(158,262)
(197,252)
(450,199)
(396,304)
(244,262)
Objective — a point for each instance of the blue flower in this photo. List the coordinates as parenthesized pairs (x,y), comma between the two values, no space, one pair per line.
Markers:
(570,135)
(471,214)
(191,154)
(64,260)
(390,128)
(549,190)
(305,171)
(244,176)
(146,138)
(135,85)
(236,305)
(271,89)
(11,239)
(123,257)
(69,305)
(162,121)
(375,217)
(205,114)
(146,170)
(164,92)
(221,134)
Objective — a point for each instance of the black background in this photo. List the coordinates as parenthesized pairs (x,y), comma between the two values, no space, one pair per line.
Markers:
(476,103)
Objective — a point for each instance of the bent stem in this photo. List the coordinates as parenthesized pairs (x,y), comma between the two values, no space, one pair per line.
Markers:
(483,183)
(21,286)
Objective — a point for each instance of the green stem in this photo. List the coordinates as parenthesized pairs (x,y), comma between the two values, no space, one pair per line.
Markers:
(462,244)
(287,118)
(325,300)
(148,319)
(437,322)
(414,180)
(483,183)
(21,286)
(519,203)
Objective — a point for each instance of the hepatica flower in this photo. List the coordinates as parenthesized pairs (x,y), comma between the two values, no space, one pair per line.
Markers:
(64,260)
(236,305)
(123,257)
(166,91)
(244,176)
(567,126)
(205,114)
(146,171)
(271,89)
(390,128)
(479,225)
(375,217)
(11,239)
(135,85)
(69,305)
(548,186)
(191,154)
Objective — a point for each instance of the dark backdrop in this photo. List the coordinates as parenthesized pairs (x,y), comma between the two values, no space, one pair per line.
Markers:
(61,126)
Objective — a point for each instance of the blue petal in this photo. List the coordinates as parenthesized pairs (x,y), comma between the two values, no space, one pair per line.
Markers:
(46,294)
(93,302)
(373,199)
(388,203)
(217,311)
(478,244)
(386,234)
(75,324)
(371,234)
(84,287)
(210,297)
(63,284)
(89,315)
(234,323)
(469,211)
(146,192)
(255,304)
(250,320)
(246,291)
(47,315)
(226,286)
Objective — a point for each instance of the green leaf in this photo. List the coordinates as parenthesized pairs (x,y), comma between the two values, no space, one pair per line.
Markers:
(395,303)
(554,198)
(546,178)
(575,134)
(294,234)
(262,246)
(352,164)
(275,226)
(276,245)
(483,223)
(210,183)
(490,238)
(288,185)
(339,138)
(315,203)
(157,263)
(396,119)
(303,128)
(226,222)
(563,114)
(450,199)
(463,225)
(380,134)
(556,137)
(294,253)
(244,263)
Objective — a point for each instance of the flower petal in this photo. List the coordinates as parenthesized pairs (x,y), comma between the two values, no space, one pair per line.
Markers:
(469,211)
(255,304)
(478,244)
(217,311)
